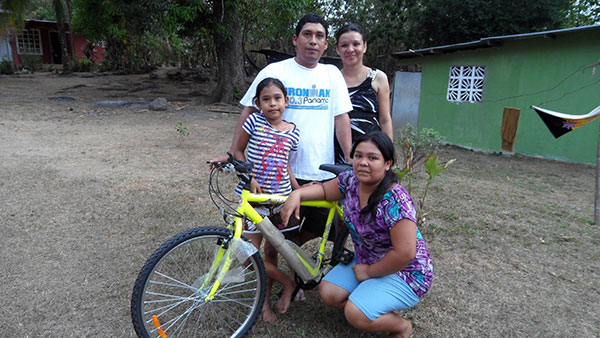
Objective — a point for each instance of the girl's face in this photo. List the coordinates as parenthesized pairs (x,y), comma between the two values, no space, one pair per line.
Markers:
(272,103)
(351,48)
(368,163)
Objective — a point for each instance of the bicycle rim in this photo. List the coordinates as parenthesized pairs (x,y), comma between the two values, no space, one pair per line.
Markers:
(169,287)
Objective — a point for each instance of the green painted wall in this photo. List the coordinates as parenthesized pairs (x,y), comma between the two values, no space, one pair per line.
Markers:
(519,73)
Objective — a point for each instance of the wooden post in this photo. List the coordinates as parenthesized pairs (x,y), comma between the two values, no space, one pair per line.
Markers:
(597,202)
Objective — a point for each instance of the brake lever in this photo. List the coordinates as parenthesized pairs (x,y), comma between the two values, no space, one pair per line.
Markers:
(228,168)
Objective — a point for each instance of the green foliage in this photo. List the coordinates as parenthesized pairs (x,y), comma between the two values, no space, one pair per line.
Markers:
(417,146)
(41,10)
(32,63)
(141,35)
(83,65)
(420,147)
(7,68)
(442,22)
(182,131)
(583,13)
(433,167)
(271,24)
(16,11)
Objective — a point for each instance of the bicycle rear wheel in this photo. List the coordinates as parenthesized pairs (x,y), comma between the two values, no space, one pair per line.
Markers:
(168,289)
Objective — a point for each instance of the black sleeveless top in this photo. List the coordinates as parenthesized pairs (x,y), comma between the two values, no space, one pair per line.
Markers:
(365,112)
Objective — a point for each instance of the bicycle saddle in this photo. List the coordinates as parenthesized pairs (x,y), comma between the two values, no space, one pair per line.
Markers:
(335,168)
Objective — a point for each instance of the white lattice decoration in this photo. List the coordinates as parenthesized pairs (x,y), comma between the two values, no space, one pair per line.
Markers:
(29,42)
(466,84)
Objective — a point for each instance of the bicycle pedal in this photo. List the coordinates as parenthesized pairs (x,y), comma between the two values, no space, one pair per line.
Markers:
(346,257)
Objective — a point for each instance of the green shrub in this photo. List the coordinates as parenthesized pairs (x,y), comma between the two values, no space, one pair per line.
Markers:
(32,63)
(83,65)
(416,148)
(7,68)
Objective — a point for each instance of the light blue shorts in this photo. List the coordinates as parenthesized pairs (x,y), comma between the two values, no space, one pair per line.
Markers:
(376,296)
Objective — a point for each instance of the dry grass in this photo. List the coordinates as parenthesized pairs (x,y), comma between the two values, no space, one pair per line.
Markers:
(89,193)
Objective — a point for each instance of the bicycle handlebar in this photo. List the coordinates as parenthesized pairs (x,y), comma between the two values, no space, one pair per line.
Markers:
(240,167)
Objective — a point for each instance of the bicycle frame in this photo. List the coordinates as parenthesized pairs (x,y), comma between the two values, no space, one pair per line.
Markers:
(244,209)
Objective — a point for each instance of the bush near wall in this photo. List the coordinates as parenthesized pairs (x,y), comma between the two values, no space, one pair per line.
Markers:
(32,63)
(7,68)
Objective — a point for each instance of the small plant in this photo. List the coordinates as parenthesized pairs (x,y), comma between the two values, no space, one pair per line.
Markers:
(83,65)
(182,131)
(420,147)
(32,63)
(237,93)
(7,68)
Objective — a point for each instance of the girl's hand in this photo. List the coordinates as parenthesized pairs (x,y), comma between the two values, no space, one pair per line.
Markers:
(361,271)
(213,161)
(291,207)
(255,187)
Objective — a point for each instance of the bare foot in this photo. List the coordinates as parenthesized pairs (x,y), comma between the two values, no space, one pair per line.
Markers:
(268,315)
(300,296)
(404,333)
(286,298)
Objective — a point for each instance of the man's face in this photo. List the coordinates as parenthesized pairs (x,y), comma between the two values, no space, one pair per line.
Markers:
(310,44)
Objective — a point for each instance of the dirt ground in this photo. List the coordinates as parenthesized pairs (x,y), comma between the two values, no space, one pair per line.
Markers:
(89,189)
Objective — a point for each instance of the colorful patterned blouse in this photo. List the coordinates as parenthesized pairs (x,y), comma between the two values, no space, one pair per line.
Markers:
(372,241)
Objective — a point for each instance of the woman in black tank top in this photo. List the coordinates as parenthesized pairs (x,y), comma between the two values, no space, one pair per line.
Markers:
(368,88)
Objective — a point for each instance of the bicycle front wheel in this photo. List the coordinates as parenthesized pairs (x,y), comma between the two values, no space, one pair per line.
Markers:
(169,296)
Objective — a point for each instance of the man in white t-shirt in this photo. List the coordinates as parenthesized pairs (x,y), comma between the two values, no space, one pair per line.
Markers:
(319,103)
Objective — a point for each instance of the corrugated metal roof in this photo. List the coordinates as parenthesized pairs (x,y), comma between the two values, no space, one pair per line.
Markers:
(487,42)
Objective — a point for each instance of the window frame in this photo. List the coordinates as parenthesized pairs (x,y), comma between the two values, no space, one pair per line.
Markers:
(465,84)
(29,42)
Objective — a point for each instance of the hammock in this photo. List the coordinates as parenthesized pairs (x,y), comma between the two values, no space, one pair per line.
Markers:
(560,124)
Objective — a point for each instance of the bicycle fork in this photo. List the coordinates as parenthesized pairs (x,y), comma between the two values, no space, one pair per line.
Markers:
(222,262)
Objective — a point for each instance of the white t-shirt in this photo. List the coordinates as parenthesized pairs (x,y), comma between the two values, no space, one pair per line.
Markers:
(316,95)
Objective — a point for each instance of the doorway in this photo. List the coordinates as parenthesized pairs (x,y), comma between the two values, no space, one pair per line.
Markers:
(55,49)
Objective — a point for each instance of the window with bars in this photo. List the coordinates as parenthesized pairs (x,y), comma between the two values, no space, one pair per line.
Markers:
(29,42)
(466,84)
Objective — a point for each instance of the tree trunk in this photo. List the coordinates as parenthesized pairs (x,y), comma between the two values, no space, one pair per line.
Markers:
(62,36)
(230,57)
(72,36)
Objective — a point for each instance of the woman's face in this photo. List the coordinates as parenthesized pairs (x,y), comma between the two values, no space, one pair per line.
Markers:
(368,163)
(351,48)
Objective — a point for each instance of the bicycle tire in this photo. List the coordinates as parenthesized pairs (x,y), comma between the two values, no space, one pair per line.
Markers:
(167,286)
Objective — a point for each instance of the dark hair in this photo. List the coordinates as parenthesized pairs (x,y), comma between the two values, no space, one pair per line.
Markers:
(266,82)
(311,18)
(349,27)
(386,147)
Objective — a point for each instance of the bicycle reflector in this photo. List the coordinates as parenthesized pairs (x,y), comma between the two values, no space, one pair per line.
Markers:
(160,331)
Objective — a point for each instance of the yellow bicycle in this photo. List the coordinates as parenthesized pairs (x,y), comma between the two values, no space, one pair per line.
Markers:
(211,281)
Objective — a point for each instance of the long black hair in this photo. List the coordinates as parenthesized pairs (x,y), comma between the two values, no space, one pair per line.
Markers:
(266,82)
(386,147)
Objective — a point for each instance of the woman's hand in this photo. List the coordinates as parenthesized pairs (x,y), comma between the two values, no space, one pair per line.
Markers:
(291,207)
(255,187)
(361,271)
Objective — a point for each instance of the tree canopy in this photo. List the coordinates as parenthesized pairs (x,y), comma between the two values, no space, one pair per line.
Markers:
(140,35)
